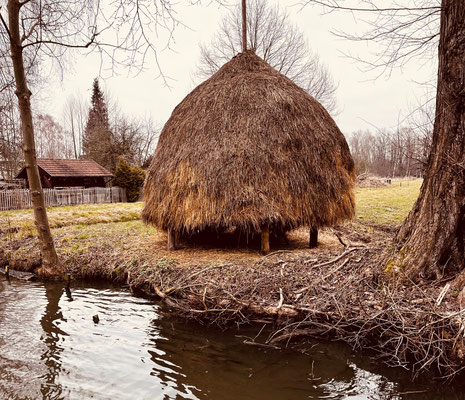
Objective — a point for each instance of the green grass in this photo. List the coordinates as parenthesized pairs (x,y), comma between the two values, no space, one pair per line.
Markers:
(117,228)
(384,206)
(387,205)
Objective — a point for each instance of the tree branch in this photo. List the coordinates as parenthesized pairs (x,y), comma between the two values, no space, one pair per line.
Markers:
(5,25)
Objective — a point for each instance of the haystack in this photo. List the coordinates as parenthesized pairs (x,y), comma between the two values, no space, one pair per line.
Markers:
(248,149)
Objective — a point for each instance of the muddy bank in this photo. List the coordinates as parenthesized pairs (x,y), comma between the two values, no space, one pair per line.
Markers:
(334,291)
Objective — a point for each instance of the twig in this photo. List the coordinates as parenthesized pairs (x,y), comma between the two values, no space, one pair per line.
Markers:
(337,258)
(276,252)
(340,239)
(177,287)
(281,298)
(442,294)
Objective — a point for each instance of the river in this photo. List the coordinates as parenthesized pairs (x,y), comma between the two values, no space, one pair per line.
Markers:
(50,348)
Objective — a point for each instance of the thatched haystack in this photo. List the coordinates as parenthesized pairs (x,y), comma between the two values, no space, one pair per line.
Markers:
(249,149)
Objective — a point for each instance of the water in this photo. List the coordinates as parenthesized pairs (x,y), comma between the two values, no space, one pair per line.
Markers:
(50,348)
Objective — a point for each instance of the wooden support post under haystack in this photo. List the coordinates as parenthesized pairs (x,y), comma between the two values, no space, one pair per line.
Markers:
(171,240)
(313,242)
(265,247)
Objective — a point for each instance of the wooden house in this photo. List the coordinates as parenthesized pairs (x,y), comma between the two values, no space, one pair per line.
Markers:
(58,174)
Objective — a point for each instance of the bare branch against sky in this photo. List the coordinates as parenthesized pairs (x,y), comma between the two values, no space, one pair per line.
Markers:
(273,36)
(399,31)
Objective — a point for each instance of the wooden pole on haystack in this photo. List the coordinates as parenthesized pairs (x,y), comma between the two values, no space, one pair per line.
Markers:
(244,26)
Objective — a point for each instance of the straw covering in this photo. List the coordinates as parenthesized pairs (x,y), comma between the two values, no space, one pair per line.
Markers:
(248,148)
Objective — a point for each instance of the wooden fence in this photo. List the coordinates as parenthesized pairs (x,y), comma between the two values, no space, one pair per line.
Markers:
(21,198)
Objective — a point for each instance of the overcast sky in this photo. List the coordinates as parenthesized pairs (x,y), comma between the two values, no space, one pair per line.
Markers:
(364,102)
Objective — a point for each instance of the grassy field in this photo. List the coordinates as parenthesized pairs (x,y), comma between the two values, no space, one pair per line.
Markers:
(99,235)
(386,205)
(21,222)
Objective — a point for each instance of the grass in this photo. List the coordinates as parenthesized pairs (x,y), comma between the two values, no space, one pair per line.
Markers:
(387,205)
(108,238)
(117,231)
(20,223)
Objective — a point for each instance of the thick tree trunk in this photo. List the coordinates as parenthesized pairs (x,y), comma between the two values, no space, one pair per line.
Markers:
(431,240)
(50,264)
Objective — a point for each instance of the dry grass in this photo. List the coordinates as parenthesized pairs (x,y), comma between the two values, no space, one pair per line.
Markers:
(19,224)
(248,148)
(117,227)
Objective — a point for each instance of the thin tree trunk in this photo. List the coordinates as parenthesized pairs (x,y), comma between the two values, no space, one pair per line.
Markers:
(431,240)
(50,264)
(73,134)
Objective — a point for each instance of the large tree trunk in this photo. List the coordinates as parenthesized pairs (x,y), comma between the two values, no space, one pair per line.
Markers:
(50,264)
(431,240)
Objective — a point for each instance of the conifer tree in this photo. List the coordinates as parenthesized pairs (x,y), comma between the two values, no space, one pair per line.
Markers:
(97,140)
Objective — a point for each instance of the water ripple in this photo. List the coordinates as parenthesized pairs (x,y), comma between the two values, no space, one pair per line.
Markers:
(50,348)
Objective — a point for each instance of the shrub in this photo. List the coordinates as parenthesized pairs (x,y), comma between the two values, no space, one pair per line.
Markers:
(129,177)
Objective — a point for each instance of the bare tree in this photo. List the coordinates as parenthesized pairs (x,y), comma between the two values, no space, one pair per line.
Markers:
(46,29)
(10,136)
(74,118)
(431,241)
(133,139)
(51,141)
(273,37)
(396,153)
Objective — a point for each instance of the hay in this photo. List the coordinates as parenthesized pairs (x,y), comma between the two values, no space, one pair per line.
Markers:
(371,181)
(248,148)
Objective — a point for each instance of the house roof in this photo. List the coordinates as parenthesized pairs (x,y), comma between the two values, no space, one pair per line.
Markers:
(68,168)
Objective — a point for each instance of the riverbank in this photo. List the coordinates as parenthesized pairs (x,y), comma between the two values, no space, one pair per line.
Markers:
(333,291)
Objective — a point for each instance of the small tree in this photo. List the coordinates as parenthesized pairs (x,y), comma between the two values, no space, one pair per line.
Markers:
(129,177)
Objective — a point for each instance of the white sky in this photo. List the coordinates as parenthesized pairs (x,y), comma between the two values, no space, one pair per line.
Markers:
(363,101)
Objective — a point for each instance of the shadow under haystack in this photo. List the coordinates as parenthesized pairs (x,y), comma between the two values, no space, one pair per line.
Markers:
(250,152)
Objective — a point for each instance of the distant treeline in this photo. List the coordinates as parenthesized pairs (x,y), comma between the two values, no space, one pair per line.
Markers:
(403,152)
(133,138)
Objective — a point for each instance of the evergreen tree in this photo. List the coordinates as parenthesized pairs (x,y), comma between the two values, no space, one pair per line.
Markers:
(129,177)
(97,139)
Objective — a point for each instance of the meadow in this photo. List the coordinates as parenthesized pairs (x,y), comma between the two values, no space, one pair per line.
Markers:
(387,205)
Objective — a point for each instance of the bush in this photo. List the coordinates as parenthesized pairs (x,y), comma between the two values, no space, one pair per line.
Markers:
(129,177)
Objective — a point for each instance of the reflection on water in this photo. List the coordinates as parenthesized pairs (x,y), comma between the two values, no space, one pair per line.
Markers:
(50,348)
